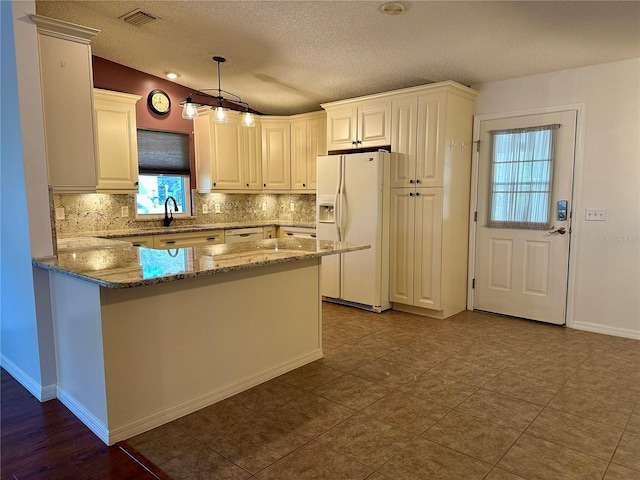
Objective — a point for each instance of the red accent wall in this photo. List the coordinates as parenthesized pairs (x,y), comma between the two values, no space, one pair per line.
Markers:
(113,76)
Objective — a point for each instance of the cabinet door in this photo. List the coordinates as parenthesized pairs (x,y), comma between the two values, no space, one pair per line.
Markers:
(250,155)
(299,155)
(276,159)
(341,128)
(430,154)
(374,124)
(65,76)
(428,248)
(401,245)
(226,170)
(316,146)
(202,126)
(116,141)
(404,118)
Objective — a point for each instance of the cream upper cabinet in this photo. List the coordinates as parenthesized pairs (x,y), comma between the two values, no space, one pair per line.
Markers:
(227,154)
(355,124)
(276,157)
(67,82)
(308,140)
(114,119)
(430,180)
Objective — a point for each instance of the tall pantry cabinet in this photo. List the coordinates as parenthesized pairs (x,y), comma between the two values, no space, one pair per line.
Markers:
(431,141)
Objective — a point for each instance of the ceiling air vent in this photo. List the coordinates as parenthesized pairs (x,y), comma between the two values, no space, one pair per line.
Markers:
(137,18)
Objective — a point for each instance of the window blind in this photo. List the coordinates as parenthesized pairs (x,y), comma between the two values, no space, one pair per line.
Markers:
(521,179)
(163,152)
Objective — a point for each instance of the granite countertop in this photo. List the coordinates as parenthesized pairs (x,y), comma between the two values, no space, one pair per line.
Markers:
(156,229)
(126,267)
(89,243)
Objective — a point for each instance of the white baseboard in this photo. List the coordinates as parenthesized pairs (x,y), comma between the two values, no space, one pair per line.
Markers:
(174,412)
(84,415)
(598,328)
(41,393)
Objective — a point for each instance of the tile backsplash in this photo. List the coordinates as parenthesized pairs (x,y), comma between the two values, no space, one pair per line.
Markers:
(84,213)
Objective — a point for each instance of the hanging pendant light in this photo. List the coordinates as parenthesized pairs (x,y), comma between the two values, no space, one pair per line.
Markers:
(220,112)
(189,109)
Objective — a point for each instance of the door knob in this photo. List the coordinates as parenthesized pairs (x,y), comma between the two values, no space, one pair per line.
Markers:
(560,230)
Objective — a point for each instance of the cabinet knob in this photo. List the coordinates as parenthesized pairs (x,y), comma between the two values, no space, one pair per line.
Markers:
(411,194)
(264,184)
(354,143)
(411,181)
(359,141)
(247,184)
(214,184)
(417,194)
(417,180)
(137,183)
(304,184)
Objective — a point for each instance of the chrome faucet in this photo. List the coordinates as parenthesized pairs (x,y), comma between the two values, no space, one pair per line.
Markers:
(168,219)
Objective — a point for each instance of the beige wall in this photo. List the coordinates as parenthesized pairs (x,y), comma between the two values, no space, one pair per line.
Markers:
(605,295)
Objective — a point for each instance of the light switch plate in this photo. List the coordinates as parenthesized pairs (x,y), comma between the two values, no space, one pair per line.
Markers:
(264,206)
(205,208)
(60,213)
(595,214)
(217,207)
(124,212)
(292,207)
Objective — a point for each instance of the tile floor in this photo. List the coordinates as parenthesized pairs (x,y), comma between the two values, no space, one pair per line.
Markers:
(402,397)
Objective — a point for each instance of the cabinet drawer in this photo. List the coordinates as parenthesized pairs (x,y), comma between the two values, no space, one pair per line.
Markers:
(193,239)
(138,241)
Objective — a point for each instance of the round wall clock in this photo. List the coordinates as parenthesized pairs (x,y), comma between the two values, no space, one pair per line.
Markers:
(159,102)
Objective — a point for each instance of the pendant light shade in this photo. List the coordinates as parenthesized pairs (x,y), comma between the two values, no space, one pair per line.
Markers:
(220,112)
(189,109)
(248,120)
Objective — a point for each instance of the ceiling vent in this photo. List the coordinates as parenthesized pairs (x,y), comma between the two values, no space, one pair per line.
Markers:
(137,18)
(392,8)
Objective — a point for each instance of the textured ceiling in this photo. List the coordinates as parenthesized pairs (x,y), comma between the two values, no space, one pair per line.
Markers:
(286,57)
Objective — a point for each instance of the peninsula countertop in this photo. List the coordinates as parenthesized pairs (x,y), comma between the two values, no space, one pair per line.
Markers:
(127,266)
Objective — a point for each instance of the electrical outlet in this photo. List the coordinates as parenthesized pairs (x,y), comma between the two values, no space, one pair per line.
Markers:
(292,207)
(205,208)
(264,206)
(217,207)
(595,214)
(60,213)
(124,212)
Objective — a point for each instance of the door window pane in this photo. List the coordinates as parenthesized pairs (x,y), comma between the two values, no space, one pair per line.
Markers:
(521,177)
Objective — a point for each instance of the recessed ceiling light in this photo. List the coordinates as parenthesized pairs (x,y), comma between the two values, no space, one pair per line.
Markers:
(392,8)
(171,75)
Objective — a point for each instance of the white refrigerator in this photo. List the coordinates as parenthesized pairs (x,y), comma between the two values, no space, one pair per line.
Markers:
(352,205)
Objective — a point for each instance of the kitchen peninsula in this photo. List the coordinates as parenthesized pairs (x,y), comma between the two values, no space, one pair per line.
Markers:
(146,336)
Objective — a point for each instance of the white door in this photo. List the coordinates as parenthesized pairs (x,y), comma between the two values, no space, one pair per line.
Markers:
(524,215)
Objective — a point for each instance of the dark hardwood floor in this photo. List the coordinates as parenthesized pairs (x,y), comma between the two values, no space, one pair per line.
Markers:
(46,441)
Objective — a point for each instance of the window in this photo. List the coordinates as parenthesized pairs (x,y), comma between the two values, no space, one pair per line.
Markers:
(163,163)
(521,177)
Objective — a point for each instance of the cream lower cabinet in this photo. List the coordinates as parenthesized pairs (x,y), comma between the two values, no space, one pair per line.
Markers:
(227,154)
(416,247)
(308,141)
(358,123)
(276,156)
(114,119)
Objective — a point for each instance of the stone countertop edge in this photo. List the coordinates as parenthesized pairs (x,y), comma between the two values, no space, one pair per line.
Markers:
(160,230)
(51,263)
